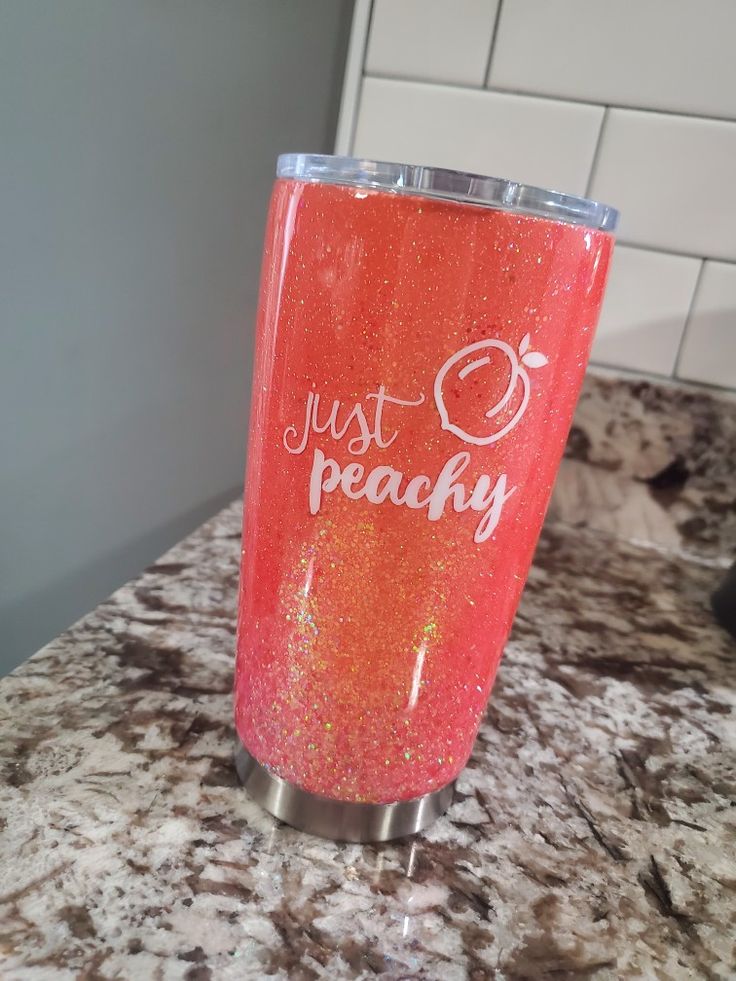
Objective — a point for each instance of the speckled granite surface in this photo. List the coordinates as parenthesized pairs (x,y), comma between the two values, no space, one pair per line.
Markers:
(653,464)
(593,832)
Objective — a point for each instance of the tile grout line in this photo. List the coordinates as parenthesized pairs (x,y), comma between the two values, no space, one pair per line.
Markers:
(688,318)
(606,369)
(492,48)
(549,97)
(663,250)
(596,152)
(614,105)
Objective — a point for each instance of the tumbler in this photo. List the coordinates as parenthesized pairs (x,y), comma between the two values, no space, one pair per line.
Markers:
(421,340)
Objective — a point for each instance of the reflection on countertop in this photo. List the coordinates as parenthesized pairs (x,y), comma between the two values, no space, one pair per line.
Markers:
(592,832)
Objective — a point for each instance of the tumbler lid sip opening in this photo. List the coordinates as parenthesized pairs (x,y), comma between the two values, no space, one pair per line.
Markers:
(449,185)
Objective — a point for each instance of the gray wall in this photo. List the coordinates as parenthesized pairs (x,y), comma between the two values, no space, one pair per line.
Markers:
(137,146)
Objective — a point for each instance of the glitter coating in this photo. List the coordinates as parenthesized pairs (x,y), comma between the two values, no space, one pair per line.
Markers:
(417,367)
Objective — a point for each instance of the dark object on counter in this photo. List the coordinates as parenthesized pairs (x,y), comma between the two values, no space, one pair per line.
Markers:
(723,602)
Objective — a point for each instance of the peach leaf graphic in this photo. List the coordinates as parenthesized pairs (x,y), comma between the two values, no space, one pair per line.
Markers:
(534,359)
(523,347)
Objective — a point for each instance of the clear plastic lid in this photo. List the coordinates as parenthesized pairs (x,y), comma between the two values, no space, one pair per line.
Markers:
(452,185)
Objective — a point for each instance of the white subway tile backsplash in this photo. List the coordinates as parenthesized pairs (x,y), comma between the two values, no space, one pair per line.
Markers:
(671,177)
(432,39)
(634,107)
(709,349)
(537,141)
(645,310)
(676,55)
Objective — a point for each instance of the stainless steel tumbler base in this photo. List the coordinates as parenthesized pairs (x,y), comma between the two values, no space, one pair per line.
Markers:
(339,820)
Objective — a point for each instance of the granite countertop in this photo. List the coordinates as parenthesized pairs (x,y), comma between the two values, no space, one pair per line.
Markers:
(592,833)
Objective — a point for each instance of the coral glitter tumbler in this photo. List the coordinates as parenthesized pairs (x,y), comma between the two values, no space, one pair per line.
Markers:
(421,342)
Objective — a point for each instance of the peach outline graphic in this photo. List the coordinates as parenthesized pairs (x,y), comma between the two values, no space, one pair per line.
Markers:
(530,359)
